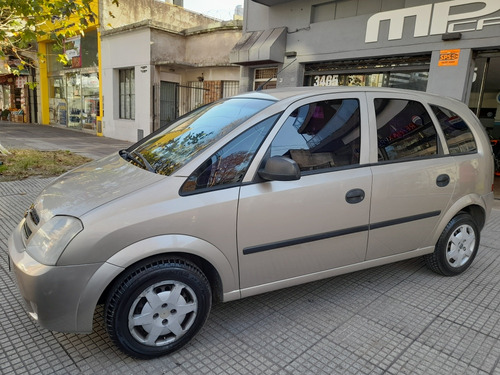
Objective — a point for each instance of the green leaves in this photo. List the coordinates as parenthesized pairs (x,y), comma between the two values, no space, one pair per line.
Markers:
(23,22)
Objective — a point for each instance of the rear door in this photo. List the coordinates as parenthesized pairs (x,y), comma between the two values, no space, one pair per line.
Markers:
(295,231)
(412,180)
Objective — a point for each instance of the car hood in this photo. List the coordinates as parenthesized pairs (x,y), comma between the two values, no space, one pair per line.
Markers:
(92,185)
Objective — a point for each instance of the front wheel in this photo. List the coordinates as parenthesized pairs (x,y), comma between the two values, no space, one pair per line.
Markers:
(157,307)
(456,248)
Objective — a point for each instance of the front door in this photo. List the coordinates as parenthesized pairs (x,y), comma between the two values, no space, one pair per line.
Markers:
(294,231)
(168,102)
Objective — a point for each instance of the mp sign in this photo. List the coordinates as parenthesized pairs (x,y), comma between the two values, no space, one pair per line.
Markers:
(435,19)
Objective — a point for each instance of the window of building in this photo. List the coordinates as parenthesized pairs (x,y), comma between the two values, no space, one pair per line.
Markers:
(53,52)
(89,55)
(457,133)
(321,135)
(404,130)
(265,78)
(127,93)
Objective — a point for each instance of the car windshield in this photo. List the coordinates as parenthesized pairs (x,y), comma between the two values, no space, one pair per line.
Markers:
(171,148)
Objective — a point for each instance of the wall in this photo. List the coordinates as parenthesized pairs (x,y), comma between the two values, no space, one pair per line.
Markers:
(116,54)
(167,47)
(453,81)
(356,37)
(212,48)
(172,16)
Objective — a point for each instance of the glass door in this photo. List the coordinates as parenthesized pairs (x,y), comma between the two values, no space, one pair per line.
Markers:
(484,98)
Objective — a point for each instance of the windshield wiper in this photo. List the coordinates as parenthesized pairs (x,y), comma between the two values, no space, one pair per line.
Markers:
(137,158)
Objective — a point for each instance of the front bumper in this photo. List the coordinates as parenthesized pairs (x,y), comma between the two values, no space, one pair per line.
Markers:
(51,294)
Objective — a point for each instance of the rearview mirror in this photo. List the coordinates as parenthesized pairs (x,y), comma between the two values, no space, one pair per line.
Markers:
(280,168)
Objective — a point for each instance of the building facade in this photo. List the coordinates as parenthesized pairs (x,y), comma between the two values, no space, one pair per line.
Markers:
(451,47)
(140,65)
(160,61)
(18,99)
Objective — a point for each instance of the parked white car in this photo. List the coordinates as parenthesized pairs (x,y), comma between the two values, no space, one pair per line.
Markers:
(250,194)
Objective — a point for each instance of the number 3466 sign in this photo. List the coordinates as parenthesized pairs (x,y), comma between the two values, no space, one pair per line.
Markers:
(449,57)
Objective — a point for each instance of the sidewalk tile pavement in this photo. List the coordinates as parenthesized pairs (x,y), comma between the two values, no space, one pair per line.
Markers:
(394,319)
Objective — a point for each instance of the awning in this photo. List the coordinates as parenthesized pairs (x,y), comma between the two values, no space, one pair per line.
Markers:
(260,47)
(270,3)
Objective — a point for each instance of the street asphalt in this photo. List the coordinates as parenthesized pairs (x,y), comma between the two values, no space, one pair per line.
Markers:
(395,319)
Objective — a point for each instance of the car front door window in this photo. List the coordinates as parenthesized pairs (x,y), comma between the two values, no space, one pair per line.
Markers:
(321,135)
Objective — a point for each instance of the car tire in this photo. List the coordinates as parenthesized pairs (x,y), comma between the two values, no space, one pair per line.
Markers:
(157,307)
(456,248)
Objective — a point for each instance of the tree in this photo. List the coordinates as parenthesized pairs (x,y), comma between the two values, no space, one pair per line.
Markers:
(23,22)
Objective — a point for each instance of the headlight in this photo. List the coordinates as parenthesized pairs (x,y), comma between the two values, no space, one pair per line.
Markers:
(49,242)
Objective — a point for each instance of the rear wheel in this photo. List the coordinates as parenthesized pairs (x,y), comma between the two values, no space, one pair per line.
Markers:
(157,307)
(456,248)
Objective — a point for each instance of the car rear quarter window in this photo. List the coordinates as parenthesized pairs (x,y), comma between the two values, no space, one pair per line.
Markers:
(404,130)
(459,137)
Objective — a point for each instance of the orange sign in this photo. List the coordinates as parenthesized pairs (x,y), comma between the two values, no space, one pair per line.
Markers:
(448,57)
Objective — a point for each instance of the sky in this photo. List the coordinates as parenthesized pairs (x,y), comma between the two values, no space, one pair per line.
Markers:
(220,9)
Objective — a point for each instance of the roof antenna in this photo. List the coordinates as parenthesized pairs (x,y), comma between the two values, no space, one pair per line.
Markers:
(265,83)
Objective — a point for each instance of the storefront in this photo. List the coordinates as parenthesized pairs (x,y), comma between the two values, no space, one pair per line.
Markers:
(447,47)
(408,72)
(14,98)
(73,87)
(70,88)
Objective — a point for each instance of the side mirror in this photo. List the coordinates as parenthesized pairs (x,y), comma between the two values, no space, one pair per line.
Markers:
(280,168)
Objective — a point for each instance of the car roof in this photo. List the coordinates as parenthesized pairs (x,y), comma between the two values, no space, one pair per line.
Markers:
(306,91)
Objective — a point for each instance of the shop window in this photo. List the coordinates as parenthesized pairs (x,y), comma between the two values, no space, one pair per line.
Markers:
(265,78)
(53,52)
(404,130)
(321,135)
(58,106)
(127,93)
(89,56)
(90,96)
(80,51)
(457,133)
(408,72)
(74,99)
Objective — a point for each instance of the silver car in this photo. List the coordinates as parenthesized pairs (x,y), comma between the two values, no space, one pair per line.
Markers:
(250,194)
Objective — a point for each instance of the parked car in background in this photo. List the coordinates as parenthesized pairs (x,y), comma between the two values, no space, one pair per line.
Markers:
(247,195)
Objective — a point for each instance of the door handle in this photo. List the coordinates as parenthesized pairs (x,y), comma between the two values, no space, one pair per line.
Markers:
(355,196)
(442,180)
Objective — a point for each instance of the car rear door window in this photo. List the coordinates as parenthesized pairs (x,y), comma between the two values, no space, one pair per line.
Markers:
(321,135)
(404,130)
(458,136)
